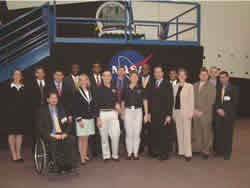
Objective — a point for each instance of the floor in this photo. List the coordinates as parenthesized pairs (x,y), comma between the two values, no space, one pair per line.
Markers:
(145,173)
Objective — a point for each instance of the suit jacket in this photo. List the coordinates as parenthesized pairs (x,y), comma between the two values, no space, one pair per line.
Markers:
(160,100)
(35,94)
(82,109)
(70,85)
(66,97)
(149,83)
(204,99)
(44,122)
(93,82)
(125,85)
(186,99)
(230,100)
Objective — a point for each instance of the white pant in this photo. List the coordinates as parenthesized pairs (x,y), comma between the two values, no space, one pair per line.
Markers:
(110,127)
(133,126)
(183,128)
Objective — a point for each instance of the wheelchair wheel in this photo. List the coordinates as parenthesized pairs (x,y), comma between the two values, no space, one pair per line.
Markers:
(41,157)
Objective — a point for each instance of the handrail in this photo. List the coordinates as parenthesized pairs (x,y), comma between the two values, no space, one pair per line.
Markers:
(90,19)
(175,34)
(20,28)
(24,15)
(168,1)
(27,43)
(24,36)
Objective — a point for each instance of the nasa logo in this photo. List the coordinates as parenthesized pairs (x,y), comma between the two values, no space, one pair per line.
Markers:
(130,59)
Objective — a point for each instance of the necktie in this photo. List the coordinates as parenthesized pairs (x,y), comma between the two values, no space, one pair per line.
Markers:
(59,89)
(222,94)
(119,90)
(157,83)
(144,84)
(41,90)
(98,82)
(76,83)
(56,122)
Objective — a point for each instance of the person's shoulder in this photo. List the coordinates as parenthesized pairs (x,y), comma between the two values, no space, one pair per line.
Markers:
(189,85)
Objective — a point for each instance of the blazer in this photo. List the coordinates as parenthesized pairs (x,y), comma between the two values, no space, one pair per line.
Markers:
(70,84)
(204,99)
(44,122)
(66,97)
(230,100)
(160,99)
(186,99)
(149,83)
(35,94)
(93,82)
(81,108)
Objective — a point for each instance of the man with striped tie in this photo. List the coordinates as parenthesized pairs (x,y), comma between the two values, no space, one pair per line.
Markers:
(52,125)
(225,105)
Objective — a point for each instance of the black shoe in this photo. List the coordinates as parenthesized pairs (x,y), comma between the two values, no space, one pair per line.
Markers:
(83,163)
(205,156)
(20,160)
(155,155)
(141,150)
(116,160)
(163,157)
(106,160)
(129,157)
(188,159)
(227,157)
(136,158)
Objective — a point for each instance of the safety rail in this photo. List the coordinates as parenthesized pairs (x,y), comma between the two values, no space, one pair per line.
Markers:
(27,35)
(128,33)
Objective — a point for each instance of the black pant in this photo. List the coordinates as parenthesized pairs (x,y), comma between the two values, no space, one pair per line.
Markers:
(224,135)
(160,137)
(63,152)
(145,141)
(95,143)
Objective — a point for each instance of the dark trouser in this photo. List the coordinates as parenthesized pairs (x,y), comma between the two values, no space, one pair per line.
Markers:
(63,152)
(145,140)
(123,133)
(224,135)
(160,137)
(95,143)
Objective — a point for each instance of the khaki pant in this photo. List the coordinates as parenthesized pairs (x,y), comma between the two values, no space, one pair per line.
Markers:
(183,128)
(110,128)
(202,135)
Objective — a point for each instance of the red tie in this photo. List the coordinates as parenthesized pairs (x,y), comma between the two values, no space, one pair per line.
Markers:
(98,83)
(58,89)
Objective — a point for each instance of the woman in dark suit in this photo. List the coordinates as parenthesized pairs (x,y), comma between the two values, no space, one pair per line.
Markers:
(84,113)
(15,113)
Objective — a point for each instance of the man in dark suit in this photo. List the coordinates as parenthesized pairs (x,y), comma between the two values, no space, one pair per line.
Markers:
(52,125)
(96,77)
(146,81)
(71,81)
(225,105)
(160,107)
(58,85)
(38,91)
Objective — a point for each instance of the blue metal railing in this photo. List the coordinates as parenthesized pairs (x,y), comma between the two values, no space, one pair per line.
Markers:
(130,25)
(27,36)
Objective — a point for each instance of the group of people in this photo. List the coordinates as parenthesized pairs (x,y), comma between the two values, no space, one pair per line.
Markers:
(156,111)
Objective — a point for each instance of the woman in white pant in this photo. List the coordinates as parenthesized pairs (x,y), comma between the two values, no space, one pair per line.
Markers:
(183,113)
(133,99)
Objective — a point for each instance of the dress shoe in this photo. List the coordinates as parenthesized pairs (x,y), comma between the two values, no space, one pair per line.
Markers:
(136,158)
(188,159)
(163,157)
(205,156)
(106,160)
(116,160)
(20,160)
(141,150)
(227,157)
(129,157)
(155,155)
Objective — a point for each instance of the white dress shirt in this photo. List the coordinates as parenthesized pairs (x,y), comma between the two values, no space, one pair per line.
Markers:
(17,86)
(40,81)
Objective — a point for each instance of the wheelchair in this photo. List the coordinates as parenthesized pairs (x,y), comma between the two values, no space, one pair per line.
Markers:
(43,162)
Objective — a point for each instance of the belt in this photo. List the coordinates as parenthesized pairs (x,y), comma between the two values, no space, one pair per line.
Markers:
(106,110)
(133,107)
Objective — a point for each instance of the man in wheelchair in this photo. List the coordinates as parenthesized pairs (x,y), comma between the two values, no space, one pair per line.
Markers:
(53,127)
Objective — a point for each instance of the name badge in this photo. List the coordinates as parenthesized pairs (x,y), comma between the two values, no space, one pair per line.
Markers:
(227,98)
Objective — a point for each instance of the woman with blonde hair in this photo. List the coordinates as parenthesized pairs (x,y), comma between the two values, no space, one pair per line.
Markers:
(183,114)
(84,113)
(15,113)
